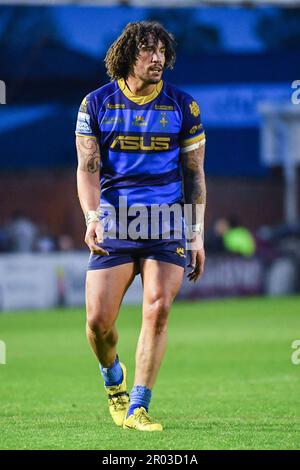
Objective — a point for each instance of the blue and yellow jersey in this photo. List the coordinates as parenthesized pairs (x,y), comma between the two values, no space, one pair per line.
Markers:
(141,138)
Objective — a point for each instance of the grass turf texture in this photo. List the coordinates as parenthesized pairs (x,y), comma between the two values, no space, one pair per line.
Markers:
(227,380)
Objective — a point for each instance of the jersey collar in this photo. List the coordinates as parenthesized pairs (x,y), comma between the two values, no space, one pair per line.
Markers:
(140,99)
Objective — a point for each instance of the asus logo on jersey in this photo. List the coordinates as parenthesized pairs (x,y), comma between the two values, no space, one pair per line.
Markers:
(130,142)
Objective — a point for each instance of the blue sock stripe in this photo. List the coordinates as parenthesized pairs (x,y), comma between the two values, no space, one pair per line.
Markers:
(139,396)
(112,375)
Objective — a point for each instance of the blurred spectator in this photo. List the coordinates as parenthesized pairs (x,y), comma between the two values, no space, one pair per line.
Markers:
(4,242)
(228,235)
(238,239)
(65,243)
(21,232)
(214,237)
(45,242)
(284,239)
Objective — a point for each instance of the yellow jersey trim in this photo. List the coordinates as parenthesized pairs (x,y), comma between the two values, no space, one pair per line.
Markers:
(91,136)
(140,99)
(192,140)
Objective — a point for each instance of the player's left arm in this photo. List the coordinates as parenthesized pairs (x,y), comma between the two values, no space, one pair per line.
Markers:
(195,197)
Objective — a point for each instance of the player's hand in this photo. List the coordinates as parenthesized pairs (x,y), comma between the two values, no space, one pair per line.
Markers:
(197,264)
(94,235)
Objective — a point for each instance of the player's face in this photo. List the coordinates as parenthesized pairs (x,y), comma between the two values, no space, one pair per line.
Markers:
(150,62)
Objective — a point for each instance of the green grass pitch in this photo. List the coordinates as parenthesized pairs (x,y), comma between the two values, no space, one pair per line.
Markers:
(227,380)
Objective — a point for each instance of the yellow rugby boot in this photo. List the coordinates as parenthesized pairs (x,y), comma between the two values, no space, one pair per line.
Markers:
(118,399)
(141,421)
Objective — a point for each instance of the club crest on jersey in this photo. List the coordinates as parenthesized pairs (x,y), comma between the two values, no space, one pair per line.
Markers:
(194,108)
(132,142)
(163,120)
(139,121)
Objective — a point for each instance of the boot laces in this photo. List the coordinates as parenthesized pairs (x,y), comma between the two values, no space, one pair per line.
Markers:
(143,417)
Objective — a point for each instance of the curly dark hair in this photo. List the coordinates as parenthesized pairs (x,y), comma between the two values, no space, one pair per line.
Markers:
(123,53)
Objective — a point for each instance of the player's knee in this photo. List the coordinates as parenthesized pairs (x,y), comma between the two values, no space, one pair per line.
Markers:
(156,315)
(98,324)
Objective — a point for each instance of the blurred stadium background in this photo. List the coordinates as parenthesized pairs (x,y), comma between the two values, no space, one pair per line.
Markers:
(240,60)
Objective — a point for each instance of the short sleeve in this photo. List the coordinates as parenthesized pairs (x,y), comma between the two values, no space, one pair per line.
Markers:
(192,133)
(87,124)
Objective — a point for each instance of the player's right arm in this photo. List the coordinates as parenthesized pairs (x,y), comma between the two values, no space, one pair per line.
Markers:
(88,186)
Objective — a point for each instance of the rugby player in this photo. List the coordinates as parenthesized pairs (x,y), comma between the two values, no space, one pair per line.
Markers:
(141,138)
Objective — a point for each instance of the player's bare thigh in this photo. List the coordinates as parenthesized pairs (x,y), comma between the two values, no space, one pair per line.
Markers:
(161,281)
(105,289)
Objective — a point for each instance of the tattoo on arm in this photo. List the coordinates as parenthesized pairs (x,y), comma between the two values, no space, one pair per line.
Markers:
(194,176)
(88,154)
